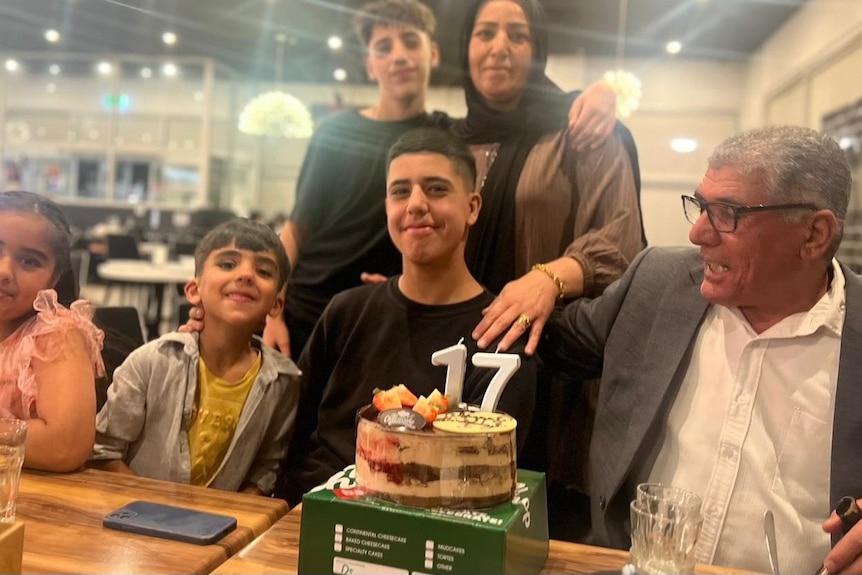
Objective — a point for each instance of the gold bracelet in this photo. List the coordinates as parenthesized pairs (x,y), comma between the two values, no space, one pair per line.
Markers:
(560,285)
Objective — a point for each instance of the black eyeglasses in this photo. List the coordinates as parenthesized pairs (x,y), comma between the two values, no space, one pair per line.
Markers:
(724,217)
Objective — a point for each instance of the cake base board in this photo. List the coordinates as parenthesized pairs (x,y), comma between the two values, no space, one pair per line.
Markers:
(347,531)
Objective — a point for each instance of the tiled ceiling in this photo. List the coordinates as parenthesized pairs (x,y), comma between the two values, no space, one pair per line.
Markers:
(242,33)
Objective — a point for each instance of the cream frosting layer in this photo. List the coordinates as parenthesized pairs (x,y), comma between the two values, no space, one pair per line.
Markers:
(434,468)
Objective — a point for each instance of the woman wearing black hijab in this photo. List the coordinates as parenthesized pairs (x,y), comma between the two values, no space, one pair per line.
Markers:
(556,223)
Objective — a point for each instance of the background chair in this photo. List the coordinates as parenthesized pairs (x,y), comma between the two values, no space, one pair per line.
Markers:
(185,248)
(123,334)
(80,266)
(183,312)
(123,247)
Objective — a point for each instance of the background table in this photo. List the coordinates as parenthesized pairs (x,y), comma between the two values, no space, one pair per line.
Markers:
(143,272)
(277,551)
(63,533)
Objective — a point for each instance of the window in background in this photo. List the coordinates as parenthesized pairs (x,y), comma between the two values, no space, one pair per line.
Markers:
(91,178)
(133,179)
(179,184)
(54,176)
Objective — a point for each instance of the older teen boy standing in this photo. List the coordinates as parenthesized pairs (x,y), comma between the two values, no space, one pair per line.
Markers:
(337,230)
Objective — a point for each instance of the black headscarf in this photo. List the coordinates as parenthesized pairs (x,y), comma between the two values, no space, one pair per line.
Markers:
(542,109)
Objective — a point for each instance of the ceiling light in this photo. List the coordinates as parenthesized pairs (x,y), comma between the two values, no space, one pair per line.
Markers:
(281,38)
(52,36)
(146,72)
(103,68)
(683,145)
(54,69)
(340,74)
(170,69)
(673,47)
(335,43)
(11,65)
(169,38)
(51,88)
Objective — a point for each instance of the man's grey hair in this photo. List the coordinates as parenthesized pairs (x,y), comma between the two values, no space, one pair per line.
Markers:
(795,165)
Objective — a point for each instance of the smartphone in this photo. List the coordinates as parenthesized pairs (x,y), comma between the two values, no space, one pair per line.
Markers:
(168,522)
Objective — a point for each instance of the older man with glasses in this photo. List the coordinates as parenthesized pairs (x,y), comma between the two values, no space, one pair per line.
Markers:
(733,370)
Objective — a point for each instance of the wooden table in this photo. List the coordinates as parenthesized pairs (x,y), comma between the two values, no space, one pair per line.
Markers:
(277,551)
(63,533)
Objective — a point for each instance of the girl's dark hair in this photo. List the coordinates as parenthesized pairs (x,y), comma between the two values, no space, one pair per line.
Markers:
(60,238)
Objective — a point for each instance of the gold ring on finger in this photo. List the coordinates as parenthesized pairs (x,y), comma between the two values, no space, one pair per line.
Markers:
(524,320)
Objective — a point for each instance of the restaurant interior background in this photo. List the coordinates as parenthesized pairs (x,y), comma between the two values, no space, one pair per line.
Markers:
(155,135)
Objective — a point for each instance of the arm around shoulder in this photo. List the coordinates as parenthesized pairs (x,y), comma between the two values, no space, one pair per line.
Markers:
(607,226)
(575,337)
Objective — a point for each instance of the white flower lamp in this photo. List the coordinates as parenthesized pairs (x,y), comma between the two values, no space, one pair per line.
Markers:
(626,85)
(277,114)
(628,89)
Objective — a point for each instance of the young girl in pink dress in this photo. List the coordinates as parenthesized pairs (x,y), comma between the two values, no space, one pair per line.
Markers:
(49,347)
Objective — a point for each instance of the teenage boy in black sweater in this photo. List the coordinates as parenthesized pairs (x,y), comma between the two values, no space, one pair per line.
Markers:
(383,334)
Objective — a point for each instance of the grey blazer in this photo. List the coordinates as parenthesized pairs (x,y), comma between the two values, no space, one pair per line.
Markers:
(638,337)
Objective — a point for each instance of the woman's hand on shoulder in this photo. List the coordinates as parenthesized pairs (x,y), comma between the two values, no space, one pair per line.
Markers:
(524,304)
(592,117)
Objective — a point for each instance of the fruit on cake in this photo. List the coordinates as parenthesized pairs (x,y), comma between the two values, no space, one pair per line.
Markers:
(413,451)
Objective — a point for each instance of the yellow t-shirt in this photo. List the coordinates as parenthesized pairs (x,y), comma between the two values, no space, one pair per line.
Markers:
(218,405)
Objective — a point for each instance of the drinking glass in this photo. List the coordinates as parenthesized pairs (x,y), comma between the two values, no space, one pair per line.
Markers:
(13,432)
(666,499)
(666,523)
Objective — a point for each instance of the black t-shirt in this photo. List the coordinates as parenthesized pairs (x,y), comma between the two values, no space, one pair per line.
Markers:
(374,337)
(340,199)
(340,202)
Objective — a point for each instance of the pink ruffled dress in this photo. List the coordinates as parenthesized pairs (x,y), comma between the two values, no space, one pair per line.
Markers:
(37,339)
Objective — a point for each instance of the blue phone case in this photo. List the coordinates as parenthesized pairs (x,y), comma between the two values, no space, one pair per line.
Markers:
(168,522)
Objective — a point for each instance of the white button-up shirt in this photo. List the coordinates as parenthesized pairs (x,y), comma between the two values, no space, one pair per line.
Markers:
(751,430)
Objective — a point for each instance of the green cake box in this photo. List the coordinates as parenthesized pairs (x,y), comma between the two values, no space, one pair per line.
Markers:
(346,531)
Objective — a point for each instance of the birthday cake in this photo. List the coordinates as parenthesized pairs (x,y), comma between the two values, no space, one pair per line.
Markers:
(437,458)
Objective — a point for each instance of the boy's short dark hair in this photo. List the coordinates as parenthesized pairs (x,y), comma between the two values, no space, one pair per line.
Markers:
(393,13)
(245,235)
(437,141)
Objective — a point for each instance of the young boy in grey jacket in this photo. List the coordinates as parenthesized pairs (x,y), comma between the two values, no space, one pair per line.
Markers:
(214,408)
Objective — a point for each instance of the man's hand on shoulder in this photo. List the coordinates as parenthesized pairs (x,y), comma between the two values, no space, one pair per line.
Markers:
(195,321)
(276,335)
(368,278)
